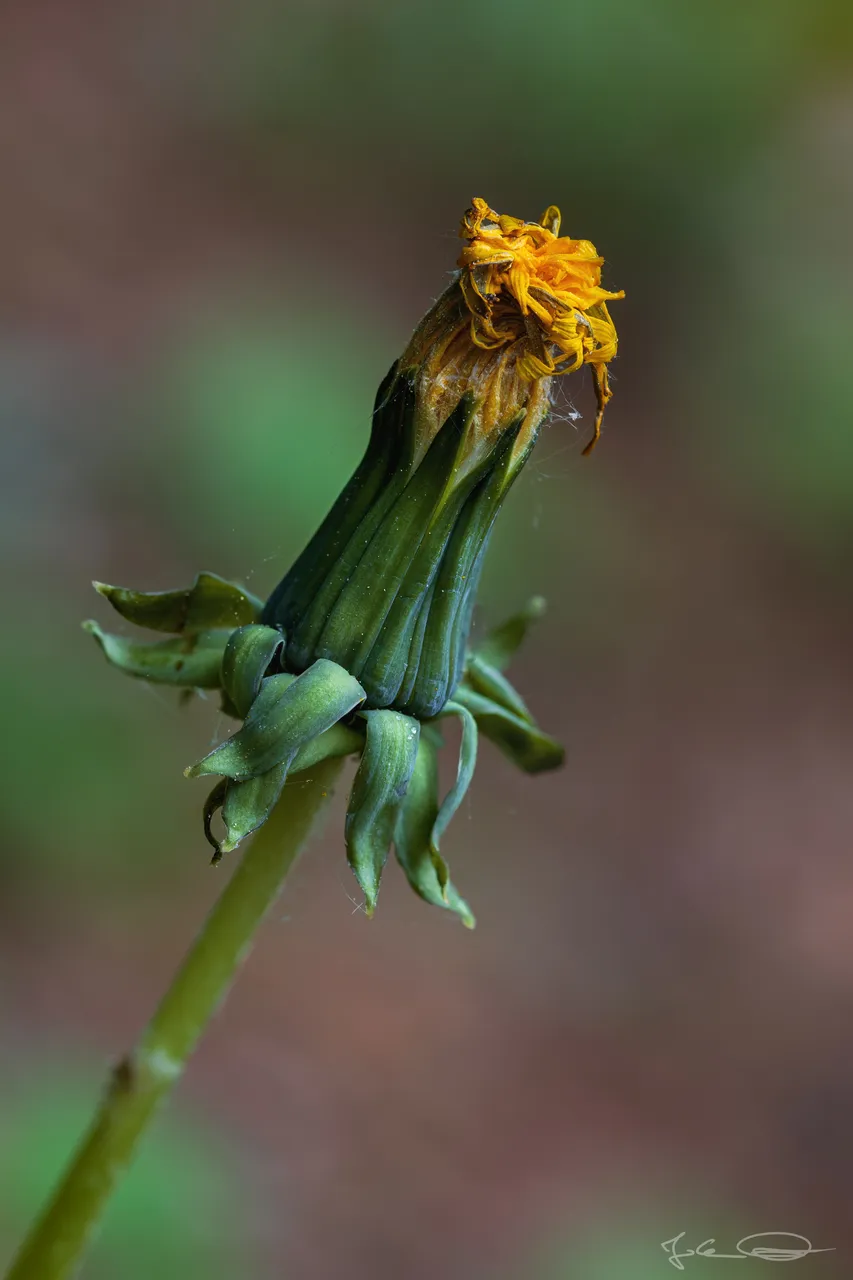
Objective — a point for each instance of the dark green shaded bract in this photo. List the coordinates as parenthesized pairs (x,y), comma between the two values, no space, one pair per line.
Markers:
(247,657)
(377,794)
(414,840)
(464,772)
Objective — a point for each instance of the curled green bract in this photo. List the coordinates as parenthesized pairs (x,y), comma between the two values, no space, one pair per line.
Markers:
(414,835)
(248,656)
(292,721)
(210,602)
(193,662)
(464,772)
(378,792)
(287,713)
(520,739)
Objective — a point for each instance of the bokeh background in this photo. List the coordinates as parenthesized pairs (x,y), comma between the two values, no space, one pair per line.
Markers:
(219,224)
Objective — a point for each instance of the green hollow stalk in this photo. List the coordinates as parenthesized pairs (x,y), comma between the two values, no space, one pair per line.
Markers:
(141,1081)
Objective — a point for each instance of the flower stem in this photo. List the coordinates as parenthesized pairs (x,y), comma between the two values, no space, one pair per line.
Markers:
(54,1248)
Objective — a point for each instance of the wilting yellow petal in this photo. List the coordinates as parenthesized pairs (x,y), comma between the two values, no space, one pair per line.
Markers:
(527,306)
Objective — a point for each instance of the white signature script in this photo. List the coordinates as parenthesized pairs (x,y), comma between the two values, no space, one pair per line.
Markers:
(765,1245)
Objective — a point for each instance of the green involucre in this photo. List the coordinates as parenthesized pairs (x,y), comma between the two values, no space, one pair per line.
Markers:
(388,583)
(386,586)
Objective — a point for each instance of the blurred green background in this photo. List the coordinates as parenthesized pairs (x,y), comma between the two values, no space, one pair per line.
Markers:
(220,224)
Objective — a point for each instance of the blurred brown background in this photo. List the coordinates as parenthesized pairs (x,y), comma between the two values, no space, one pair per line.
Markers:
(219,224)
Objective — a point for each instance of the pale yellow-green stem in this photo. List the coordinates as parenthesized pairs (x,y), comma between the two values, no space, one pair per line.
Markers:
(139,1083)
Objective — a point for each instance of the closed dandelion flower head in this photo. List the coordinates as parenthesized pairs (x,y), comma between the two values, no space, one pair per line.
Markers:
(363,647)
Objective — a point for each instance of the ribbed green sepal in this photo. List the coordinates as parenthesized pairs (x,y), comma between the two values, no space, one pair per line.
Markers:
(386,586)
(436,668)
(382,590)
(303,600)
